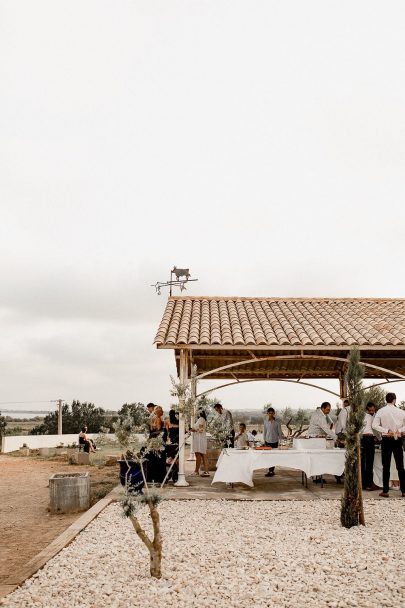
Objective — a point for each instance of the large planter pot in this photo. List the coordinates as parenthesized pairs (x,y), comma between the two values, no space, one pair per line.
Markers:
(69,492)
(213,453)
(130,472)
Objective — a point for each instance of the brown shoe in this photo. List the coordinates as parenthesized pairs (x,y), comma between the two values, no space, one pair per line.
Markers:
(384,494)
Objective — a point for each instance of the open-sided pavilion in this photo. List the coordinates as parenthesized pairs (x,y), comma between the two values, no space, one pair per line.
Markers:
(301,340)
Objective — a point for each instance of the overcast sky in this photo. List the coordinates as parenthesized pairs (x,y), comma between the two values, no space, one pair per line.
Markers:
(260,143)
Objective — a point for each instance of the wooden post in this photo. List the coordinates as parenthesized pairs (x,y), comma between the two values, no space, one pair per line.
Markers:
(342,386)
(192,419)
(182,482)
(59,416)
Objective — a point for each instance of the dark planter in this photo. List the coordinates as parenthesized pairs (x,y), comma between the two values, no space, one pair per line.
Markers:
(130,472)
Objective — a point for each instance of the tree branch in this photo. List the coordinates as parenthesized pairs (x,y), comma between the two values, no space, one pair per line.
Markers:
(141,533)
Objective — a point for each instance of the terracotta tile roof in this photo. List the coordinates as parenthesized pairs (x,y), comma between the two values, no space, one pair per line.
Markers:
(282,321)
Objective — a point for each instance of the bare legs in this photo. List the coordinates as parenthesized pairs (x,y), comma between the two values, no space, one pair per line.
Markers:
(199,460)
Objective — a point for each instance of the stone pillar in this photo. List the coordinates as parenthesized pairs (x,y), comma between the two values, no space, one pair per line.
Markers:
(182,482)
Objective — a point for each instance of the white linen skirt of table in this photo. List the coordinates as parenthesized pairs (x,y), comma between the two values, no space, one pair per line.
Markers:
(377,472)
(237,466)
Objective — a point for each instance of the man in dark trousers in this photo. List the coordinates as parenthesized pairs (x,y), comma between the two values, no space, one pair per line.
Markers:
(368,440)
(272,434)
(390,422)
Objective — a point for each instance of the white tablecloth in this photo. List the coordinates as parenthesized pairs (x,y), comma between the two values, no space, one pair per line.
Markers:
(377,473)
(238,465)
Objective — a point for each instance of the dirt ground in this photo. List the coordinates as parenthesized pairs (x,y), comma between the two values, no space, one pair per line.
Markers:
(26,526)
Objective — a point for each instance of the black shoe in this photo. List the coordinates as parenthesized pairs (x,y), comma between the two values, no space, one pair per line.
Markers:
(269,474)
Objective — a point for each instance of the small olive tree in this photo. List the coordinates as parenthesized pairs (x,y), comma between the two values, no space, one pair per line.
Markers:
(128,430)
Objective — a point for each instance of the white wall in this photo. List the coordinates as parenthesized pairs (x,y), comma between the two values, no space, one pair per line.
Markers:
(10,443)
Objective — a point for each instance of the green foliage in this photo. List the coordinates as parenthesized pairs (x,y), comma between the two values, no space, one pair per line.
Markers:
(3,424)
(351,507)
(136,412)
(296,421)
(376,395)
(131,504)
(182,391)
(74,417)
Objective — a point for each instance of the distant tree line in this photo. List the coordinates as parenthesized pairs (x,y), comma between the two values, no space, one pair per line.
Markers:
(77,415)
(74,417)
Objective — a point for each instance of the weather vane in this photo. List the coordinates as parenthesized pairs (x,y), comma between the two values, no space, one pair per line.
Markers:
(178,278)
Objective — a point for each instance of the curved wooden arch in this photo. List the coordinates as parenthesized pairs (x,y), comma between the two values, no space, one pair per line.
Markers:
(216,388)
(295,358)
(382,383)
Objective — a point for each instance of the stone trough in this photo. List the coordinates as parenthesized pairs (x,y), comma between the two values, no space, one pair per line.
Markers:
(69,492)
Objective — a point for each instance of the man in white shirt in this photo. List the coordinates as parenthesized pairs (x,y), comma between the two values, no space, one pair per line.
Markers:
(368,439)
(390,422)
(319,425)
(342,418)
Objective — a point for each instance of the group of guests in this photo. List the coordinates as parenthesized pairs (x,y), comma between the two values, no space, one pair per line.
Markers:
(385,426)
(168,429)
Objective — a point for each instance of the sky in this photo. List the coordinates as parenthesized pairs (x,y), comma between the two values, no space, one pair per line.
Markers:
(259,143)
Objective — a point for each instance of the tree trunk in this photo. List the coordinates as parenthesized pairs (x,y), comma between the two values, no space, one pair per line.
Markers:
(362,519)
(156,562)
(155,546)
(156,551)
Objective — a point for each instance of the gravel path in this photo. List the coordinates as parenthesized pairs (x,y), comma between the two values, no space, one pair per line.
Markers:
(223,553)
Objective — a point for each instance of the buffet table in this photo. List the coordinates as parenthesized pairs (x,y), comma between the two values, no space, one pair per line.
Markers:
(377,473)
(237,466)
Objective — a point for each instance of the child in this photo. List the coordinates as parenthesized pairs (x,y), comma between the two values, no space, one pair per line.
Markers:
(241,439)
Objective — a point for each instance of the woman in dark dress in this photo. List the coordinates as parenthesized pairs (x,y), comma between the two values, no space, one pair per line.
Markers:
(173,427)
(156,461)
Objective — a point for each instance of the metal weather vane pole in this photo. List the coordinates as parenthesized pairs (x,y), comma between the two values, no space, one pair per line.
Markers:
(176,280)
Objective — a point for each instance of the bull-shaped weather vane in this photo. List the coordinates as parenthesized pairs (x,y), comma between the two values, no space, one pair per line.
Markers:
(178,278)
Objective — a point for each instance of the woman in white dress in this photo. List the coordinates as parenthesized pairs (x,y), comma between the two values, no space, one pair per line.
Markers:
(200,444)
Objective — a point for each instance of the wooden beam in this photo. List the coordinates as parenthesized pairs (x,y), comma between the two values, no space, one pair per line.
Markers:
(273,347)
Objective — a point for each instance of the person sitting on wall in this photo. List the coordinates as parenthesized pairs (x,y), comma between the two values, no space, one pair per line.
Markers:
(88,444)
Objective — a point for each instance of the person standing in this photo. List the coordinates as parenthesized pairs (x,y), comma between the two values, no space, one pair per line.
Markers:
(150,408)
(156,460)
(227,420)
(272,434)
(319,425)
(340,428)
(368,439)
(390,422)
(199,431)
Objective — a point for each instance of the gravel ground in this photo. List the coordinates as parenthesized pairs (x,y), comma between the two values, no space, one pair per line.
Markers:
(224,553)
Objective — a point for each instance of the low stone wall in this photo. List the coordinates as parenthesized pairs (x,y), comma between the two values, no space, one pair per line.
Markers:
(10,443)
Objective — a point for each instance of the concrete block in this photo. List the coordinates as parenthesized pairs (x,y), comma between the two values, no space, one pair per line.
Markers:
(44,451)
(83,458)
(69,492)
